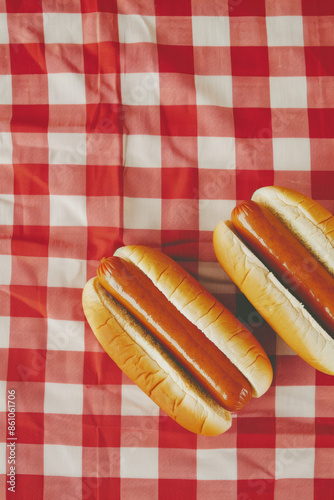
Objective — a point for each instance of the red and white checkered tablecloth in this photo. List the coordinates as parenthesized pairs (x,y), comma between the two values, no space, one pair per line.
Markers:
(145,122)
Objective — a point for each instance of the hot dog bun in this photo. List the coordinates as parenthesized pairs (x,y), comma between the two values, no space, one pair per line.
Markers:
(277,305)
(202,309)
(310,222)
(150,366)
(145,361)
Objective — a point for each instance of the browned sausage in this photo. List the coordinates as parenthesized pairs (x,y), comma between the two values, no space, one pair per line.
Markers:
(137,293)
(288,259)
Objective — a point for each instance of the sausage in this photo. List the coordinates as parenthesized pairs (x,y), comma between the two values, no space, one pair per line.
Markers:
(288,259)
(192,349)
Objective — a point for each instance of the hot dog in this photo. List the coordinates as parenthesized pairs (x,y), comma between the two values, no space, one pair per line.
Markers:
(172,338)
(271,252)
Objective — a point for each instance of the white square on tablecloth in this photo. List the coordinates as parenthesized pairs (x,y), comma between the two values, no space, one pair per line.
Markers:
(5,267)
(4,329)
(211,31)
(216,153)
(3,395)
(288,92)
(134,28)
(6,208)
(211,212)
(296,463)
(62,27)
(214,90)
(67,149)
(68,273)
(295,401)
(291,153)
(5,89)
(217,464)
(142,213)
(62,460)
(3,458)
(66,88)
(4,37)
(67,210)
(65,335)
(139,463)
(143,151)
(285,31)
(63,398)
(6,148)
(136,402)
(140,89)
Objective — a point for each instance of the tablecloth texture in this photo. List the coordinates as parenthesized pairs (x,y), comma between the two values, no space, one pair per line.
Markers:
(145,122)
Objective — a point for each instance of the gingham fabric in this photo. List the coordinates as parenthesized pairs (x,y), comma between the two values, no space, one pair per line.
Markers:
(145,122)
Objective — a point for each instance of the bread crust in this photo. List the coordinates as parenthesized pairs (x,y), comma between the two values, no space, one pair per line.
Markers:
(280,309)
(309,221)
(202,309)
(150,366)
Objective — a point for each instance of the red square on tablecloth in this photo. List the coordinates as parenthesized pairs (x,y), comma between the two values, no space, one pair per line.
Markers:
(255,488)
(176,59)
(250,61)
(178,489)
(103,241)
(30,240)
(252,122)
(179,120)
(323,488)
(33,118)
(247,8)
(27,58)
(30,427)
(294,368)
(256,432)
(322,185)
(28,301)
(24,7)
(103,118)
(172,8)
(100,369)
(324,8)
(323,434)
(27,365)
(71,363)
(109,435)
(104,180)
(32,483)
(101,57)
(179,183)
(319,61)
(31,179)
(99,6)
(172,435)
